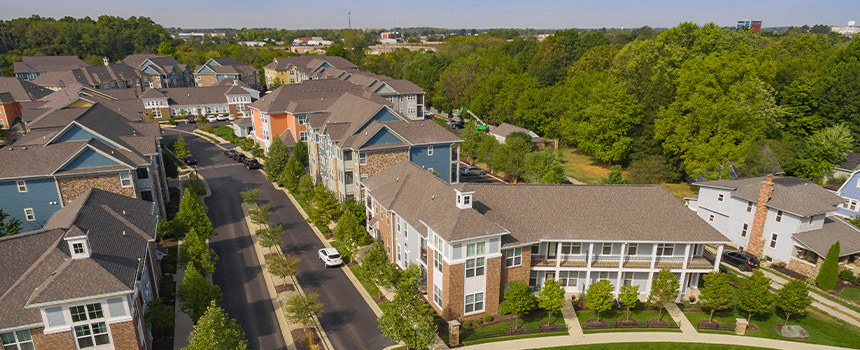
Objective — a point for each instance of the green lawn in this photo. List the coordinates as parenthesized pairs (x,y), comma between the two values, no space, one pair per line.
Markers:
(224,132)
(822,328)
(620,314)
(531,320)
(583,167)
(655,346)
(369,286)
(851,294)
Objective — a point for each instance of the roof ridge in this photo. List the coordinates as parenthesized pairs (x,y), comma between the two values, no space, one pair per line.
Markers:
(34,264)
(126,222)
(50,279)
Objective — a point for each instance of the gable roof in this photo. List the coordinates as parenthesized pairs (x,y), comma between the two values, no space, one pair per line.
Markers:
(224,65)
(36,64)
(195,95)
(851,162)
(306,63)
(89,75)
(537,212)
(37,264)
(22,90)
(309,96)
(834,229)
(794,195)
(506,129)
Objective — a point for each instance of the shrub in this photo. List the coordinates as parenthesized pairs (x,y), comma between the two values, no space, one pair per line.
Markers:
(478,322)
(171,121)
(503,308)
(467,324)
(810,281)
(488,318)
(846,275)
(828,276)
(778,264)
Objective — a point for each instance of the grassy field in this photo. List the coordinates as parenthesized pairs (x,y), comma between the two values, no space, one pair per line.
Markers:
(531,320)
(369,286)
(681,190)
(654,346)
(851,294)
(822,328)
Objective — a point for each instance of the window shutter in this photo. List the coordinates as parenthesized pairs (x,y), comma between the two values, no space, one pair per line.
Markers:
(55,316)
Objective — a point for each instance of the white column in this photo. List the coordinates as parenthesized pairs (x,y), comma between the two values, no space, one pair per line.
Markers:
(683,293)
(653,258)
(621,256)
(557,256)
(686,257)
(588,260)
(718,258)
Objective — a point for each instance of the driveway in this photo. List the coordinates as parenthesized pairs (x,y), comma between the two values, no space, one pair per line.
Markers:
(347,319)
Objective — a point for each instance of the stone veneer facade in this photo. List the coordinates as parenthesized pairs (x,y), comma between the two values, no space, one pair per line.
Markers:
(805,268)
(381,160)
(72,187)
(756,242)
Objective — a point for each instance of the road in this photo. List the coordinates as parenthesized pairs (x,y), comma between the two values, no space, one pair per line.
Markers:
(347,319)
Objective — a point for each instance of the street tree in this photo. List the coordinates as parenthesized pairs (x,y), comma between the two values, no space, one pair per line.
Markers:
(270,236)
(793,298)
(717,293)
(629,297)
(358,209)
(180,147)
(194,251)
(408,318)
(192,214)
(664,290)
(276,159)
(283,265)
(251,196)
(325,207)
(551,298)
(520,299)
(260,214)
(754,296)
(215,330)
(303,308)
(195,293)
(300,152)
(598,297)
(291,174)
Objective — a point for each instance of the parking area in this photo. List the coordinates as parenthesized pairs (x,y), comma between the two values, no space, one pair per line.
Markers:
(486,179)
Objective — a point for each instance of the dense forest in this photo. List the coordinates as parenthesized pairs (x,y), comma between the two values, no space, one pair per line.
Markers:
(667,105)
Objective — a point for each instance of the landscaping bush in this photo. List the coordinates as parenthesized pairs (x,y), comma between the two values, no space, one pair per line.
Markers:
(503,308)
(171,121)
(778,264)
(828,276)
(846,275)
(467,324)
(478,322)
(810,281)
(488,318)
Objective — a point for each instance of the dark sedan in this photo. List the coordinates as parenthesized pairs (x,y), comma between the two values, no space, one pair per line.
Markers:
(190,160)
(742,260)
(251,163)
(239,157)
(230,153)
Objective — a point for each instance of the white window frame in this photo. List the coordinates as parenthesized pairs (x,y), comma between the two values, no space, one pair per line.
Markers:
(29,214)
(773,239)
(478,267)
(572,248)
(362,158)
(514,257)
(749,206)
(437,296)
(632,248)
(90,314)
(602,276)
(720,197)
(437,260)
(475,249)
(78,248)
(662,248)
(17,340)
(779,216)
(711,217)
(625,281)
(603,249)
(125,178)
(22,186)
(568,278)
(430,150)
(477,299)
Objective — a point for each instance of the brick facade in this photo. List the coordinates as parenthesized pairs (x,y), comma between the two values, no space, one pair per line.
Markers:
(379,161)
(492,295)
(61,340)
(452,293)
(756,242)
(516,273)
(124,335)
(72,187)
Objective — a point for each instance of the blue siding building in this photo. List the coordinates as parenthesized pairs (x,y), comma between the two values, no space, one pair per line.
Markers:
(436,157)
(39,199)
(850,190)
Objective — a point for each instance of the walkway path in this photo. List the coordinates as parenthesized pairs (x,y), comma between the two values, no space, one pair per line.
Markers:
(182,323)
(679,318)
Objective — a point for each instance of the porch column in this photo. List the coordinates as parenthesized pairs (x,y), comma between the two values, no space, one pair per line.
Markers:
(683,293)
(557,256)
(621,256)
(653,258)
(686,257)
(588,260)
(718,258)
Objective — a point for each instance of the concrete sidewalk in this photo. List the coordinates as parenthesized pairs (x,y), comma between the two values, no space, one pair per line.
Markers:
(679,318)
(182,323)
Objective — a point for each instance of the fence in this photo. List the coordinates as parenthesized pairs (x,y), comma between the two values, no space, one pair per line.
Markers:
(715,326)
(631,324)
(476,334)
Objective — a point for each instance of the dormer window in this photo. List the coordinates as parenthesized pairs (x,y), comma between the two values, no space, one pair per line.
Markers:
(79,246)
(464,199)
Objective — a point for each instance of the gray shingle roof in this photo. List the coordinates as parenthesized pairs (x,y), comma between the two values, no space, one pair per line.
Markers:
(790,194)
(309,96)
(835,229)
(306,62)
(22,91)
(228,65)
(89,75)
(506,129)
(33,64)
(535,212)
(196,95)
(851,162)
(37,264)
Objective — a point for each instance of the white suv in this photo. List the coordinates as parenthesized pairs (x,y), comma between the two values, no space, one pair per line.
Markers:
(330,256)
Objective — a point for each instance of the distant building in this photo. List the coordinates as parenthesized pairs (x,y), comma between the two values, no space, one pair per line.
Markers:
(217,69)
(31,67)
(312,41)
(748,23)
(13,93)
(849,30)
(197,35)
(197,101)
(162,71)
(296,69)
(106,76)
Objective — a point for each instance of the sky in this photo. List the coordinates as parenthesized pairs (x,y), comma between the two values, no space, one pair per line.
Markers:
(479,14)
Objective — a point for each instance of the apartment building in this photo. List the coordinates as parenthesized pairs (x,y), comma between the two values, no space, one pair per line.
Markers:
(161,71)
(473,239)
(197,101)
(106,76)
(13,93)
(74,147)
(785,218)
(217,69)
(357,138)
(296,69)
(84,280)
(32,67)
(406,98)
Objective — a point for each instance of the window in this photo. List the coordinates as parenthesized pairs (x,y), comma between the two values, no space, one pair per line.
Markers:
(29,214)
(362,158)
(632,248)
(347,178)
(347,155)
(125,179)
(437,260)
(22,186)
(474,267)
(665,249)
(571,248)
(303,136)
(78,248)
(773,238)
(20,340)
(602,276)
(475,302)
(720,197)
(779,216)
(146,195)
(398,253)
(627,279)
(749,206)
(475,249)
(303,119)
(533,279)
(607,249)
(513,257)
(744,230)
(437,296)
(429,150)
(568,278)
(90,335)
(711,217)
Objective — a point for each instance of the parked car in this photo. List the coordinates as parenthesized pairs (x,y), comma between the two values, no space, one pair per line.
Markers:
(742,260)
(330,257)
(455,124)
(239,157)
(221,117)
(211,118)
(251,163)
(230,117)
(230,153)
(189,159)
(192,120)
(472,170)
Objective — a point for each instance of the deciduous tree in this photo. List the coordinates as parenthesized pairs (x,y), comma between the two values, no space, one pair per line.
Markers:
(194,251)
(408,318)
(276,159)
(598,297)
(214,330)
(180,147)
(754,296)
(551,298)
(195,293)
(192,214)
(664,290)
(303,308)
(520,299)
(629,297)
(251,196)
(717,293)
(793,298)
(270,236)
(284,265)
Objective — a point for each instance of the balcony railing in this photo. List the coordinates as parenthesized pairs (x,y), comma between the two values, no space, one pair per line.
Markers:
(574,260)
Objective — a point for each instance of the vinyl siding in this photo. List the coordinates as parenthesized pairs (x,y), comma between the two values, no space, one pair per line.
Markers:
(89,159)
(440,161)
(39,196)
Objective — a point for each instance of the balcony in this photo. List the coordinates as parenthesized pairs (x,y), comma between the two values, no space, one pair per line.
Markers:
(672,262)
(605,260)
(574,260)
(637,262)
(543,261)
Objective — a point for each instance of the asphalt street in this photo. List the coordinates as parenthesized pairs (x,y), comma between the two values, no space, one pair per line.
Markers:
(347,319)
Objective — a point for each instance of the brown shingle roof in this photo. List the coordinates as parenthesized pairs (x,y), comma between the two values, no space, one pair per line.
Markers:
(309,96)
(835,229)
(34,64)
(310,62)
(791,194)
(22,91)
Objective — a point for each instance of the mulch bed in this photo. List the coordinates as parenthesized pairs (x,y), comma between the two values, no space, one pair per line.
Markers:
(548,327)
(842,285)
(624,322)
(778,328)
(595,323)
(379,299)
(657,321)
(300,338)
(753,328)
(284,288)
(514,330)
(790,273)
(705,324)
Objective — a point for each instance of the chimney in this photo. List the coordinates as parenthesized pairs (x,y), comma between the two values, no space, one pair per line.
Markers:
(757,239)
(139,90)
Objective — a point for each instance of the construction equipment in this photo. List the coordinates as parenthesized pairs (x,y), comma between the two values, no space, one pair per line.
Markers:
(479,124)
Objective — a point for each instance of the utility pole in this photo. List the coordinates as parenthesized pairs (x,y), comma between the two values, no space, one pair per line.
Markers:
(349,19)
